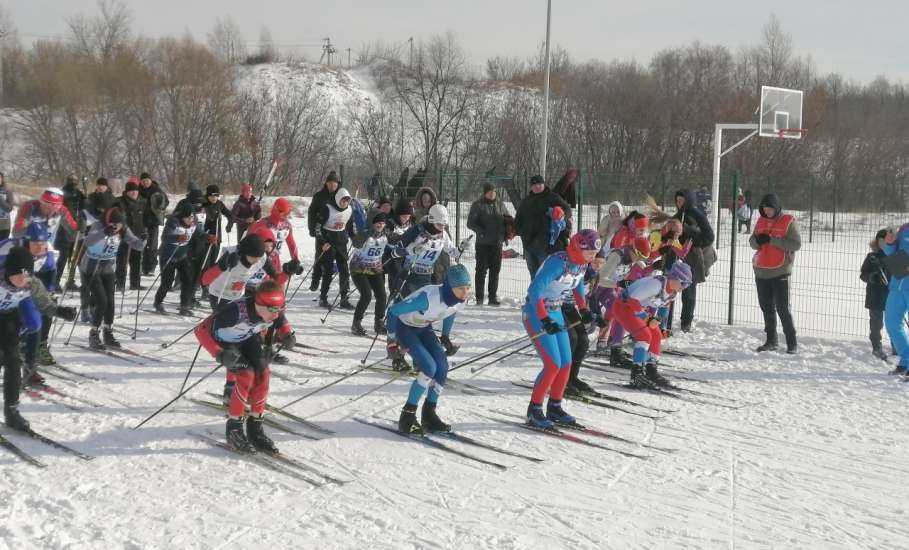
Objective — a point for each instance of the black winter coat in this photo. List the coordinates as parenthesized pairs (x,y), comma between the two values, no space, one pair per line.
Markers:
(487,219)
(156,202)
(875,275)
(320,199)
(695,228)
(531,221)
(134,213)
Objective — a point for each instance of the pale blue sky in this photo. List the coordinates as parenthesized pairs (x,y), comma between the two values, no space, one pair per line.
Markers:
(860,40)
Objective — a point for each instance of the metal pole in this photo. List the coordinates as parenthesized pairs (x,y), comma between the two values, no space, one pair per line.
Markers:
(835,192)
(545,95)
(811,212)
(717,155)
(735,231)
(457,205)
(580,205)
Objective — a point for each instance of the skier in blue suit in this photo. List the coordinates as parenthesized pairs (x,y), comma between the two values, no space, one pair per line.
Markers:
(898,299)
(409,325)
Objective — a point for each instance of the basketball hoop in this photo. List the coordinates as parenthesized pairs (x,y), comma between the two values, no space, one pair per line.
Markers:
(791,133)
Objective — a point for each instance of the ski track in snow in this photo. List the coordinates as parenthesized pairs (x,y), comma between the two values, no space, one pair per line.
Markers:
(813,461)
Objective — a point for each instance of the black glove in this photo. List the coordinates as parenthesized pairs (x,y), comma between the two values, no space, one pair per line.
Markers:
(762,238)
(586,316)
(67,313)
(289,340)
(450,349)
(624,283)
(230,261)
(293,267)
(549,326)
(601,322)
(110,230)
(230,358)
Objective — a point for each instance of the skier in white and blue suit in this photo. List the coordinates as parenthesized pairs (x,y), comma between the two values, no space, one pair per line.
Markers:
(898,298)
(410,329)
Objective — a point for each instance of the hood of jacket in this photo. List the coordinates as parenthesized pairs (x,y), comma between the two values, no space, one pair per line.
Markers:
(418,203)
(771,200)
(690,199)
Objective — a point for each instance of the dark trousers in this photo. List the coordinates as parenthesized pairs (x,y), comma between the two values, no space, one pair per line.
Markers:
(150,254)
(338,255)
(577,338)
(101,297)
(689,300)
(65,247)
(126,256)
(4,234)
(369,284)
(773,296)
(185,269)
(393,267)
(241,230)
(534,260)
(12,362)
(876,322)
(489,258)
(201,262)
(746,224)
(317,268)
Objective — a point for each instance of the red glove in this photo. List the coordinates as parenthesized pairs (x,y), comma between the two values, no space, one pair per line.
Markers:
(394,350)
(182,238)
(212,239)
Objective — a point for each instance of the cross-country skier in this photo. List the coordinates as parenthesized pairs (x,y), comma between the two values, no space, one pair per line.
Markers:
(560,276)
(98,272)
(898,297)
(635,310)
(49,211)
(423,243)
(212,210)
(400,221)
(179,233)
(234,337)
(410,329)
(17,311)
(246,210)
(366,268)
(278,221)
(333,226)
(226,280)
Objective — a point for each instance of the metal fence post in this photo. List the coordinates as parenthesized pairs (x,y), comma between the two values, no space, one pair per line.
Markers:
(341,172)
(458,205)
(580,204)
(811,211)
(731,317)
(835,205)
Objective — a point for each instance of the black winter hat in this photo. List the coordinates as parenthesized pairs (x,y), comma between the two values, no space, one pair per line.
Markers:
(212,190)
(131,186)
(403,207)
(144,175)
(537,179)
(251,245)
(332,176)
(18,261)
(194,196)
(380,217)
(101,181)
(183,210)
(487,187)
(113,215)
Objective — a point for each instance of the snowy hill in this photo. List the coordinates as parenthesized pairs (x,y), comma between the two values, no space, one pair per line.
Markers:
(340,86)
(778,452)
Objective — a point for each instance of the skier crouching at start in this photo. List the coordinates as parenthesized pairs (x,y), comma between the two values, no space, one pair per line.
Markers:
(410,329)
(233,336)
(633,311)
(561,275)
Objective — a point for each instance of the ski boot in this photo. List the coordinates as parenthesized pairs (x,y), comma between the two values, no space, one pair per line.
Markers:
(557,414)
(323,302)
(650,371)
(31,377)
(14,418)
(493,301)
(159,308)
(186,311)
(94,340)
(400,364)
(536,418)
(879,353)
(407,422)
(618,358)
(379,327)
(228,391)
(792,346)
(109,339)
(900,370)
(44,355)
(686,327)
(236,438)
(280,359)
(137,287)
(580,387)
(345,304)
(255,433)
(479,299)
(639,381)
(770,345)
(357,329)
(431,421)
(314,285)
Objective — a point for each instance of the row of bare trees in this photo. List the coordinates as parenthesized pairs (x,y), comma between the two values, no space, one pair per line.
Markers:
(104,101)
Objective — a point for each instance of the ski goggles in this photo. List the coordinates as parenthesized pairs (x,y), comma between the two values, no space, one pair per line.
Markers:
(276,309)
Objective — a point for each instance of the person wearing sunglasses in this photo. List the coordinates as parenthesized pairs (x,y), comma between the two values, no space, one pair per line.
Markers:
(239,337)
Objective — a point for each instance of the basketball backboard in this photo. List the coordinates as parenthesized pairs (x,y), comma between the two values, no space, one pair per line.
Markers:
(781,113)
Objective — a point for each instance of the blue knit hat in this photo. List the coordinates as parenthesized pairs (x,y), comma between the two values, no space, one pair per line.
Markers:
(458,276)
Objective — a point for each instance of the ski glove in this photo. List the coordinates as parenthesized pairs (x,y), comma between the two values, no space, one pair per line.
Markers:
(394,351)
(67,313)
(289,340)
(229,261)
(293,267)
(230,358)
(549,326)
(212,239)
(762,238)
(600,321)
(450,349)
(586,316)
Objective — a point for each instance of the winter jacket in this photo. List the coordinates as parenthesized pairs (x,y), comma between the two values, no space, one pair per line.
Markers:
(133,212)
(213,212)
(101,249)
(244,209)
(30,212)
(876,277)
(775,258)
(566,187)
(320,199)
(156,202)
(609,226)
(696,228)
(531,220)
(176,240)
(95,205)
(73,200)
(335,225)
(743,214)
(420,212)
(7,204)
(487,219)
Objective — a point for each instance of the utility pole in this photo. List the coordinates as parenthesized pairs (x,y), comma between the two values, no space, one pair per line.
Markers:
(545,96)
(348,58)
(410,62)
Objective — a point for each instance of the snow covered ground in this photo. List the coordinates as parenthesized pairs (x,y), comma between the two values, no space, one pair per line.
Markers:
(786,452)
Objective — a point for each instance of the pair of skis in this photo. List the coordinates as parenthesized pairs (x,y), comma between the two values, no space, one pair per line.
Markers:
(29,459)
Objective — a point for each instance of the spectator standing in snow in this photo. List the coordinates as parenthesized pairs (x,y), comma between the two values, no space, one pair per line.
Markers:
(776,239)
(487,219)
(530,221)
(743,214)
(695,228)
(322,197)
(875,275)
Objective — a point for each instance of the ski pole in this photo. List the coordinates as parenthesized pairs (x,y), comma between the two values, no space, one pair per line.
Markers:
(191,365)
(330,384)
(136,317)
(387,307)
(305,276)
(88,291)
(169,403)
(70,278)
(332,308)
(158,276)
(474,370)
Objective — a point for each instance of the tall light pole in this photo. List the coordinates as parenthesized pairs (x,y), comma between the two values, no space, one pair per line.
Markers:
(545,95)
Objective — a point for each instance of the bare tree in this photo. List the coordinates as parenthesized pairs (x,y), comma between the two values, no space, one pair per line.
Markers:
(267,51)
(97,37)
(226,41)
